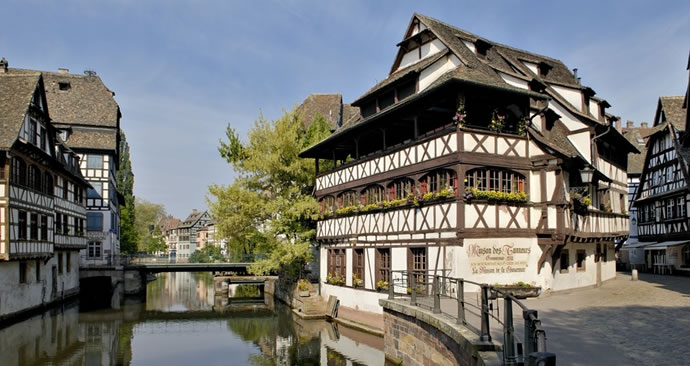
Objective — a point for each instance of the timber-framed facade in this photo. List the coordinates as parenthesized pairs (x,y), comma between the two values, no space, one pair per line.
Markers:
(472,158)
(42,202)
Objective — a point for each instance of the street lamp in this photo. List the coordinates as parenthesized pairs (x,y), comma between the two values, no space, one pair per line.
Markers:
(587,174)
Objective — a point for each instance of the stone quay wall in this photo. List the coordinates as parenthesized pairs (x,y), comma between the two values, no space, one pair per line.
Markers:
(416,337)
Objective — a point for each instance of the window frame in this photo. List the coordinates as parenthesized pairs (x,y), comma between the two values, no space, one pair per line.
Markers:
(359,265)
(564,265)
(581,260)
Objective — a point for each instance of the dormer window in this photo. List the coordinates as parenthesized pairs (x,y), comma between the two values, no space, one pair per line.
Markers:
(544,69)
(63,85)
(482,47)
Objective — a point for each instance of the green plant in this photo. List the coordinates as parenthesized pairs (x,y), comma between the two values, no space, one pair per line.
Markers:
(460,113)
(522,126)
(303,285)
(497,121)
(370,207)
(581,200)
(418,289)
(519,284)
(347,210)
(497,196)
(356,281)
(382,285)
(335,279)
(428,196)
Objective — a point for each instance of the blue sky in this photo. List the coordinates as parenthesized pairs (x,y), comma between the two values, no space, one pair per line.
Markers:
(183,70)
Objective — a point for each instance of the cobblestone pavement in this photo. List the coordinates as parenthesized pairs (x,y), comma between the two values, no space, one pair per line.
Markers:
(623,322)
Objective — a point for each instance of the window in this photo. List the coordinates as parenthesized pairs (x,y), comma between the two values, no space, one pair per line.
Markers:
(349,198)
(417,264)
(44,228)
(327,204)
(670,208)
(33,228)
(94,161)
(96,191)
(373,194)
(34,178)
(48,183)
(580,260)
(94,249)
(336,262)
(680,203)
(33,132)
(22,272)
(400,189)
(18,171)
(565,260)
(64,86)
(358,264)
(43,139)
(383,264)
(499,180)
(60,263)
(21,233)
(65,185)
(38,270)
(65,225)
(438,180)
(58,223)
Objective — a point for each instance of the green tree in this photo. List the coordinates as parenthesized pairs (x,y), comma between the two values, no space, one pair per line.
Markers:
(155,242)
(208,254)
(148,215)
(269,209)
(125,185)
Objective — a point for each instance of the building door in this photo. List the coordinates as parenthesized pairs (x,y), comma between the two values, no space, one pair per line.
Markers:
(55,283)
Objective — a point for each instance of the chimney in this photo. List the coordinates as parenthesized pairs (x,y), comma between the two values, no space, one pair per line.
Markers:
(62,70)
(3,65)
(619,125)
(194,211)
(643,125)
(575,75)
(629,124)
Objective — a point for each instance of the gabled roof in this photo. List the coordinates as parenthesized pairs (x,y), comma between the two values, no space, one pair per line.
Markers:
(16,92)
(673,110)
(328,106)
(90,138)
(634,136)
(192,219)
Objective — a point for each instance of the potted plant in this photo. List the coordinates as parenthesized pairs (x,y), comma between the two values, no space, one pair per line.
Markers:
(335,279)
(580,201)
(382,285)
(303,287)
(356,281)
(520,290)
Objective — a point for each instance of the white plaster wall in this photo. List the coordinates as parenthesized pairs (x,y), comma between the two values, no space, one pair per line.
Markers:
(581,141)
(399,259)
(348,266)
(409,58)
(574,278)
(438,68)
(470,45)
(511,80)
(573,96)
(354,298)
(594,108)
(568,119)
(532,66)
(535,186)
(432,48)
(370,270)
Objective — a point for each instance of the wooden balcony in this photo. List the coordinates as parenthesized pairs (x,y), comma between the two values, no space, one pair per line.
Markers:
(597,224)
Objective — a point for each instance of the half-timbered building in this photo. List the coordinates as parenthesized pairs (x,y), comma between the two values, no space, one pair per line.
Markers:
(42,203)
(88,117)
(187,233)
(473,159)
(664,191)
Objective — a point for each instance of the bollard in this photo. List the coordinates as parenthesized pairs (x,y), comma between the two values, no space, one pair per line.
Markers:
(485,335)
(541,359)
(634,275)
(461,302)
(437,296)
(509,355)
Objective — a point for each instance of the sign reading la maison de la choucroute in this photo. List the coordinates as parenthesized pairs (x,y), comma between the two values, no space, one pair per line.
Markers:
(497,258)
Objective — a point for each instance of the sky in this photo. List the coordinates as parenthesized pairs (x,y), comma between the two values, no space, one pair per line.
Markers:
(183,70)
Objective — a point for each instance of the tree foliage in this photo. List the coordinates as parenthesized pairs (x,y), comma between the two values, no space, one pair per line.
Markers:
(269,209)
(148,216)
(125,185)
(208,254)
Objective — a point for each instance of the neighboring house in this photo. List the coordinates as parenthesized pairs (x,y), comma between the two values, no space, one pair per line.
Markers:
(167,224)
(187,233)
(208,235)
(635,135)
(329,106)
(664,192)
(473,159)
(42,203)
(88,117)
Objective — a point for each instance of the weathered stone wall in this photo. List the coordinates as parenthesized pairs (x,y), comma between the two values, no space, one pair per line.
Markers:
(416,337)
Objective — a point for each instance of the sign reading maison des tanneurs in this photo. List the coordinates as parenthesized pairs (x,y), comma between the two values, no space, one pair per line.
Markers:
(497,258)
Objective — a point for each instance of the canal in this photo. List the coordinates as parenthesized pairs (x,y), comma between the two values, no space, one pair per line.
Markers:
(182,322)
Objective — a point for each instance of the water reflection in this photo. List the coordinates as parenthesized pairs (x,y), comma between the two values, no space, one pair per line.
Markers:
(181,322)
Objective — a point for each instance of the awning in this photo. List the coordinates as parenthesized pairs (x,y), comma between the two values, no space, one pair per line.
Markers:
(665,244)
(638,245)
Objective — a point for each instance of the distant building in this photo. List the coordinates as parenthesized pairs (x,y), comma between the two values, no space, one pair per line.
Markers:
(187,233)
(637,137)
(209,236)
(42,199)
(476,160)
(167,224)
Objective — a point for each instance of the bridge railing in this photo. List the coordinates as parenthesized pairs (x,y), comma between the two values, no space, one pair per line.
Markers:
(165,259)
(427,289)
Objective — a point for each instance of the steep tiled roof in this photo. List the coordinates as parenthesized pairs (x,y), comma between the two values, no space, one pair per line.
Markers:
(674,111)
(192,218)
(635,137)
(15,96)
(90,138)
(327,105)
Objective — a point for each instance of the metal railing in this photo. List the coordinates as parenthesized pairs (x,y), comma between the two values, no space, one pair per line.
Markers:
(127,259)
(427,289)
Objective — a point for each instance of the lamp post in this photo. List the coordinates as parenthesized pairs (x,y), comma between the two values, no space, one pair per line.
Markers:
(587,174)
